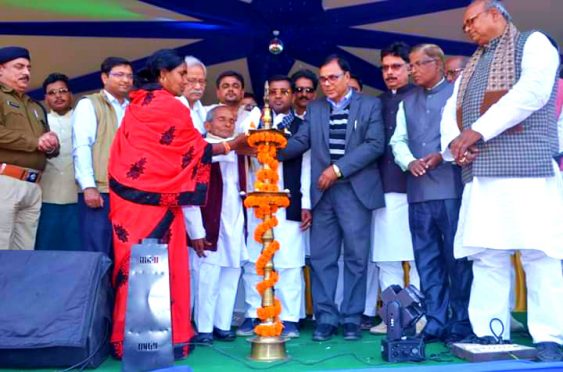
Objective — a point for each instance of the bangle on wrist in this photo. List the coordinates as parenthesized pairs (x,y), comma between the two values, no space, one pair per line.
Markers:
(227,147)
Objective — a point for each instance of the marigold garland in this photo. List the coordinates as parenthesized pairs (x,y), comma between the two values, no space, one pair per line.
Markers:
(255,139)
(270,311)
(265,330)
(265,205)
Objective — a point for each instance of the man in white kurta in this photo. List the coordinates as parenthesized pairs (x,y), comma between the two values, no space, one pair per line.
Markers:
(503,213)
(219,271)
(391,242)
(191,97)
(292,235)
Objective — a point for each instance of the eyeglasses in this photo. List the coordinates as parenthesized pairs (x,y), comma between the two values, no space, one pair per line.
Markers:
(197,81)
(470,21)
(54,92)
(121,75)
(282,91)
(419,64)
(307,90)
(330,78)
(454,73)
(392,67)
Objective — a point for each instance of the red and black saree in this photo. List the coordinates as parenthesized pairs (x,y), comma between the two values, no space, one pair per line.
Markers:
(158,163)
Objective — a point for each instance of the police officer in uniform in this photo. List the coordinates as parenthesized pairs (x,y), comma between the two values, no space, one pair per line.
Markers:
(25,143)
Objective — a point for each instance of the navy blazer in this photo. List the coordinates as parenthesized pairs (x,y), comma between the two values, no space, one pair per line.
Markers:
(365,142)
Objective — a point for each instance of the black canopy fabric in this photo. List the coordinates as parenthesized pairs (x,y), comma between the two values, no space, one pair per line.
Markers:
(55,308)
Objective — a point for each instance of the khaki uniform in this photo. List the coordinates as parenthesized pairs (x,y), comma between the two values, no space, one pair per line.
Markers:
(22,122)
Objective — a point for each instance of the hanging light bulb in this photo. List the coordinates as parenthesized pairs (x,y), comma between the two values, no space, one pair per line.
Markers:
(276,45)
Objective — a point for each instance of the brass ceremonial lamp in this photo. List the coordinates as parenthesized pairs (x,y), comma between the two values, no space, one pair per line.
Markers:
(266,198)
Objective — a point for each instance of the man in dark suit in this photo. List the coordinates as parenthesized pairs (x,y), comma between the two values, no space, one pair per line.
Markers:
(345,134)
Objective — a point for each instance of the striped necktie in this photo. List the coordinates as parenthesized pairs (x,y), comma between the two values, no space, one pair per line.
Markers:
(286,121)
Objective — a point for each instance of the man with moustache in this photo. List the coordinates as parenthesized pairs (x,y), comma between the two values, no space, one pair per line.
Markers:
(433,193)
(344,131)
(500,126)
(94,123)
(304,86)
(25,143)
(293,222)
(391,240)
(58,224)
(197,81)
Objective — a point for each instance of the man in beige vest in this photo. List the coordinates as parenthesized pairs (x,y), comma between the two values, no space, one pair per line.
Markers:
(94,123)
(25,143)
(58,224)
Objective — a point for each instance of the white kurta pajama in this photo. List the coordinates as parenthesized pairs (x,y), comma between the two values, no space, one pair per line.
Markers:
(289,260)
(216,276)
(500,215)
(391,242)
(198,114)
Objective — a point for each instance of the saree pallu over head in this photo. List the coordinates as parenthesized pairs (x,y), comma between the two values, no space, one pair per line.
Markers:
(158,163)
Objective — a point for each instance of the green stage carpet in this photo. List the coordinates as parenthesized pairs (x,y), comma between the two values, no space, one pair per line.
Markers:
(308,355)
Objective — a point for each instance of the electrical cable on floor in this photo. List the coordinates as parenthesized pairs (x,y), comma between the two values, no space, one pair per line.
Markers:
(291,360)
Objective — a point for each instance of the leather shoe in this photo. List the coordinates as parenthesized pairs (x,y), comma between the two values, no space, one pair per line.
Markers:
(324,332)
(366,322)
(219,334)
(484,340)
(247,327)
(548,352)
(452,338)
(205,338)
(428,338)
(352,332)
(290,329)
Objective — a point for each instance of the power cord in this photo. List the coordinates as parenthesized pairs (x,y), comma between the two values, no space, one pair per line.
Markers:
(288,361)
(498,336)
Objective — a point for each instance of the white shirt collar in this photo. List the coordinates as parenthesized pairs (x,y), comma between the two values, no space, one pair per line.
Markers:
(114,100)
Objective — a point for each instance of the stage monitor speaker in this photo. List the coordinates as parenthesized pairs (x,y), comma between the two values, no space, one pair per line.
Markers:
(55,309)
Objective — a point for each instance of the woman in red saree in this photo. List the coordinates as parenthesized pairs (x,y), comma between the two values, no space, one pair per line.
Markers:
(158,163)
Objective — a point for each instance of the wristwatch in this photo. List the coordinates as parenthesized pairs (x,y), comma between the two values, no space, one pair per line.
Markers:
(337,170)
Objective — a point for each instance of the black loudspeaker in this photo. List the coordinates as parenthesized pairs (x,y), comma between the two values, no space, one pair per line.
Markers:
(55,309)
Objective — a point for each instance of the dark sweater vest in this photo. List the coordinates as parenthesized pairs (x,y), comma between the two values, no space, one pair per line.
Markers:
(292,178)
(393,177)
(211,212)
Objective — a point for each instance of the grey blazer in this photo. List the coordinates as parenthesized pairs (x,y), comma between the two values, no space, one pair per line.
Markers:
(365,142)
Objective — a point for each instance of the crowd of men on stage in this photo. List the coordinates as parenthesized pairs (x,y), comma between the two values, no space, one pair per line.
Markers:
(447,173)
